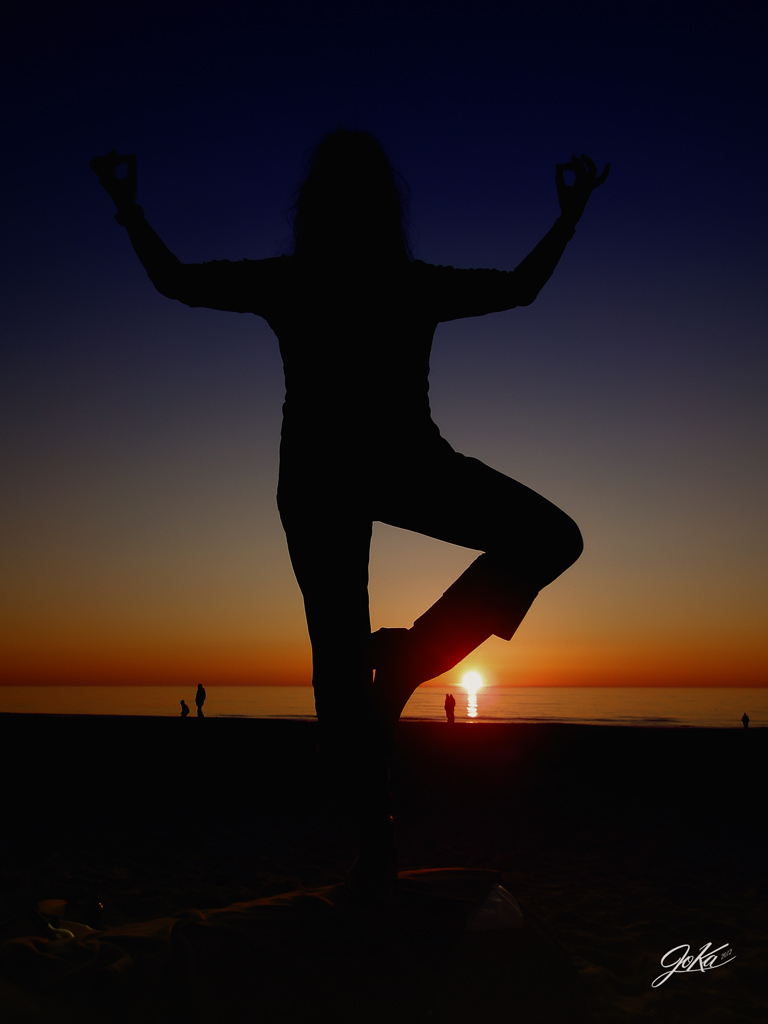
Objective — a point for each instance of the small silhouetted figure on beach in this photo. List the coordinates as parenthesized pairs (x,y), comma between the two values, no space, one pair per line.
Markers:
(745,720)
(200,700)
(184,708)
(355,315)
(450,706)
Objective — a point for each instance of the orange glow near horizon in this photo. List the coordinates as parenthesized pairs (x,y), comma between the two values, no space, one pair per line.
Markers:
(65,661)
(103,622)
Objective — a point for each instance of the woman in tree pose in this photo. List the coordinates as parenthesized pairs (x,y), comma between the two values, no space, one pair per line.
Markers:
(355,315)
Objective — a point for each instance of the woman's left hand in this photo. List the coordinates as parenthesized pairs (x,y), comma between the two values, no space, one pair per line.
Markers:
(573,198)
(122,190)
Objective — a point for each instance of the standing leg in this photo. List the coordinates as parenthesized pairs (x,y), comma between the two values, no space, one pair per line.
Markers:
(329,551)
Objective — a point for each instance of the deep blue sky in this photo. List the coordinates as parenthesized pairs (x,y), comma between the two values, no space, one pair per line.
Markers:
(140,449)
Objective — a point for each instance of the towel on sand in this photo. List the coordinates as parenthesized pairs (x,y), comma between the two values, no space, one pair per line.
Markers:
(448,946)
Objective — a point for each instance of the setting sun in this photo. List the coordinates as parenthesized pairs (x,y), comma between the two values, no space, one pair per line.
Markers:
(471,682)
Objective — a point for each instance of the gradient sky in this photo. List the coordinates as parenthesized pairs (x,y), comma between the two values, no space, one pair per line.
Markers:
(141,541)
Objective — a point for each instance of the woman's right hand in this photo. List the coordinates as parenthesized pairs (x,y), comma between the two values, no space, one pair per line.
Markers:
(573,198)
(122,190)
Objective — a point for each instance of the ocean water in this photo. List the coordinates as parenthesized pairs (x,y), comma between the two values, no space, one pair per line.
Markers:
(684,707)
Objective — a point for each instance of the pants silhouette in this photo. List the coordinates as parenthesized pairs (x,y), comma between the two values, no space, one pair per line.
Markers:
(527,541)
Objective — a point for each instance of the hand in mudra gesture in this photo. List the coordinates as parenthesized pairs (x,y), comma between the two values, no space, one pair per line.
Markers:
(122,190)
(573,198)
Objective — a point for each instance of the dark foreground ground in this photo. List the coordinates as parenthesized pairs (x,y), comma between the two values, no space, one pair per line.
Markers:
(619,844)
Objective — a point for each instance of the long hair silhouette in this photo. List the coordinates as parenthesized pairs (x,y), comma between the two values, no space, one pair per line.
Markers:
(352,204)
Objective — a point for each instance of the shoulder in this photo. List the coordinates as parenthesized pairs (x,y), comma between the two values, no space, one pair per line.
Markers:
(454,293)
(444,273)
(272,265)
(239,286)
(420,267)
(429,276)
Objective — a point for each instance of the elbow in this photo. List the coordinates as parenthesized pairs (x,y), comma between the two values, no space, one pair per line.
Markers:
(168,284)
(163,287)
(525,289)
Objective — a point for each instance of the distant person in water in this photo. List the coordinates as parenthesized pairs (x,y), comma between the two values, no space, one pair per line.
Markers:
(184,708)
(355,315)
(200,700)
(450,706)
(745,720)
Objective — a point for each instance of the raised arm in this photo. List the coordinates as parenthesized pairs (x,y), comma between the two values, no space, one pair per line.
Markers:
(216,285)
(461,293)
(158,260)
(536,269)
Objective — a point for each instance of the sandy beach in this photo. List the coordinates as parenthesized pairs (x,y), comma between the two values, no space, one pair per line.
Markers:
(619,844)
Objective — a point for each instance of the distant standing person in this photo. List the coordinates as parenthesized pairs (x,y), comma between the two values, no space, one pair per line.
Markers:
(200,700)
(745,720)
(450,706)
(184,708)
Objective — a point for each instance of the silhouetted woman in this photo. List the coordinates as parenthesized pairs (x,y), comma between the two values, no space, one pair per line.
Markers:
(354,315)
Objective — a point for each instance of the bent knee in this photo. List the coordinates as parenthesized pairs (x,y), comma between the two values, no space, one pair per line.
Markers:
(550,546)
(572,542)
(563,548)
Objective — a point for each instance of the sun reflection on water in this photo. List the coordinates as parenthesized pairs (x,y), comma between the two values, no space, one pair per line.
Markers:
(471,682)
